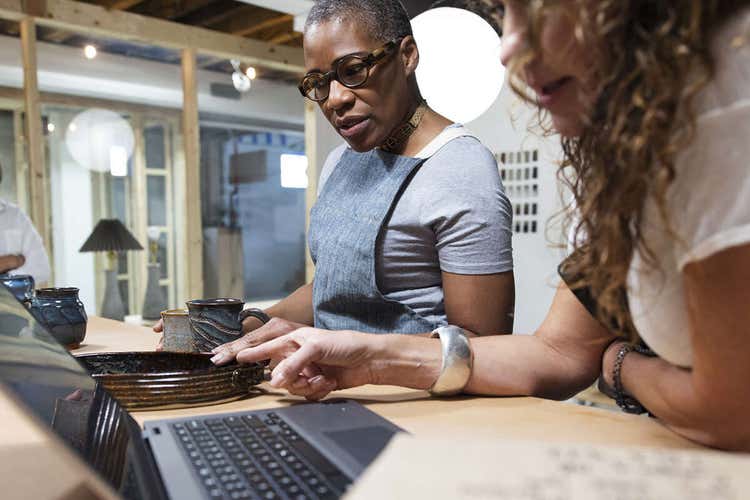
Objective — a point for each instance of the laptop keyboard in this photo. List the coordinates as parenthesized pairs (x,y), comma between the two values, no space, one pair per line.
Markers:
(257,457)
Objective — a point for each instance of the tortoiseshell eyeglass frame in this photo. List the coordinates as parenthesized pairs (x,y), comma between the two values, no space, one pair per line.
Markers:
(376,56)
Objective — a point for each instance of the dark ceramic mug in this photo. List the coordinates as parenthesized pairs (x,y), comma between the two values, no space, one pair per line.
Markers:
(62,313)
(20,285)
(214,322)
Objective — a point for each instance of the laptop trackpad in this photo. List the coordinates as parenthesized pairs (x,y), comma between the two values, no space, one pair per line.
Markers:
(362,443)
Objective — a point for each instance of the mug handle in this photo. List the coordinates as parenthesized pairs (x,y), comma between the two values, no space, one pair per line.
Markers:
(255,313)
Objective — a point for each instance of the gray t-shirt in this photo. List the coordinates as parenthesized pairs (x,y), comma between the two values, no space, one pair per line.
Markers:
(453,216)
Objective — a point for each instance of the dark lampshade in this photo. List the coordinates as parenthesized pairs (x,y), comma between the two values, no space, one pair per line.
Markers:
(110,235)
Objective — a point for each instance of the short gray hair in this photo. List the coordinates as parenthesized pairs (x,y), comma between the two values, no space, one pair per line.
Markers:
(385,20)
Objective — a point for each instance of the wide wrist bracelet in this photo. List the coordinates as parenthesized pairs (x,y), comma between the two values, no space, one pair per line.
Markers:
(457,361)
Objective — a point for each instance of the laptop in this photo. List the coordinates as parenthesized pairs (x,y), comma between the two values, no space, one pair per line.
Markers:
(313,450)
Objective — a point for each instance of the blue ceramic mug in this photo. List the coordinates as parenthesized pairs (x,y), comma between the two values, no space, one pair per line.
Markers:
(20,285)
(62,313)
(214,322)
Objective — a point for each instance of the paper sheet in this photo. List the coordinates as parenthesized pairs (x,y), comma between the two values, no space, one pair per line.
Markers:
(412,468)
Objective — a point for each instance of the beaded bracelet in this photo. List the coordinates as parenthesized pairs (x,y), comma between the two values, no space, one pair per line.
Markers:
(626,402)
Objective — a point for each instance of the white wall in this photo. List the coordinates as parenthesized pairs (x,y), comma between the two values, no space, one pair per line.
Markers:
(505,127)
(71,205)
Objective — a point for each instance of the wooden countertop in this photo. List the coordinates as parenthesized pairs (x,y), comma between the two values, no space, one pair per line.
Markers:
(30,452)
(418,413)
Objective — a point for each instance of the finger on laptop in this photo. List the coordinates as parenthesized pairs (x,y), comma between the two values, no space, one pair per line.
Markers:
(291,366)
(313,389)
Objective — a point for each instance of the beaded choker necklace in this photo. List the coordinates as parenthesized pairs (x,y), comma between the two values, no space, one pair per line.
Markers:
(395,142)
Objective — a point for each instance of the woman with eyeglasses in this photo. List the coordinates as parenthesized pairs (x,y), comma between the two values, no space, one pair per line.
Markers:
(652,100)
(412,227)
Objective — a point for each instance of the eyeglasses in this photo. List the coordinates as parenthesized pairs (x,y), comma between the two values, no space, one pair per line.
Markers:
(351,71)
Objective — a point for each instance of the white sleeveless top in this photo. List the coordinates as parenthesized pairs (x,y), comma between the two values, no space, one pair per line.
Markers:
(709,201)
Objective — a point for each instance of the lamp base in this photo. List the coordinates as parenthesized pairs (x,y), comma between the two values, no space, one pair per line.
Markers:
(154,302)
(112,306)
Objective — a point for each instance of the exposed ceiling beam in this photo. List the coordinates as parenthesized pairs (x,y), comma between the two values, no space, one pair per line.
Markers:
(271,23)
(221,15)
(210,12)
(99,21)
(121,4)
(285,37)
(169,9)
(249,25)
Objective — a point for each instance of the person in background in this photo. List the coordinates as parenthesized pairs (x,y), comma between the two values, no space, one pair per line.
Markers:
(652,101)
(412,227)
(21,248)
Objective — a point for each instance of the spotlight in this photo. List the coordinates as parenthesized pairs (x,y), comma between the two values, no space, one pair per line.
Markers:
(241,82)
(50,127)
(251,73)
(241,79)
(89,51)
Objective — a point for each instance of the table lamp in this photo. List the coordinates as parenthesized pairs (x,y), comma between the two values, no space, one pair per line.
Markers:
(111,236)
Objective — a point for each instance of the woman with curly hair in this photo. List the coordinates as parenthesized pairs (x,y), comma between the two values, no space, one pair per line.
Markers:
(652,100)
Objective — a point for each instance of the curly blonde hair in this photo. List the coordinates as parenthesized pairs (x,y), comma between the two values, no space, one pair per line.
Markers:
(650,59)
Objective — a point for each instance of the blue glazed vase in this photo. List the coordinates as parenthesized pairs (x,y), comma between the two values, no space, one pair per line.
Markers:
(62,313)
(20,285)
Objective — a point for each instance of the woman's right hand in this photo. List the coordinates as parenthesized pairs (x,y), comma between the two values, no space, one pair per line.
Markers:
(314,362)
(159,328)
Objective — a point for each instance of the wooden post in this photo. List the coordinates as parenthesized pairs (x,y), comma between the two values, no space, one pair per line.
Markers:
(311,149)
(19,144)
(193,230)
(34,136)
(139,214)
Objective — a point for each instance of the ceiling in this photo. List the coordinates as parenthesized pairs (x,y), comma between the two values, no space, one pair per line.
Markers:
(247,18)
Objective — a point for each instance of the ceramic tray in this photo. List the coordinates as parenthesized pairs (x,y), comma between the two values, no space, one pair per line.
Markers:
(161,380)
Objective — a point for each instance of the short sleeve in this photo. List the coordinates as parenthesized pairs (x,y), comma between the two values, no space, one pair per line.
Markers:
(331,161)
(710,198)
(468,209)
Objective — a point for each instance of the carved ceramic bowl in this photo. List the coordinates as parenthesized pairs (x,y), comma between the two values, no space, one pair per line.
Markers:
(166,380)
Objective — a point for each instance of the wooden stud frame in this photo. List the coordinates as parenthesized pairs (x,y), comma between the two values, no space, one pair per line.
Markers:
(34,135)
(77,17)
(97,20)
(192,226)
(311,195)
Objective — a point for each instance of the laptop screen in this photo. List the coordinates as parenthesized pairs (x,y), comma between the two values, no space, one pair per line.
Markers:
(60,394)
